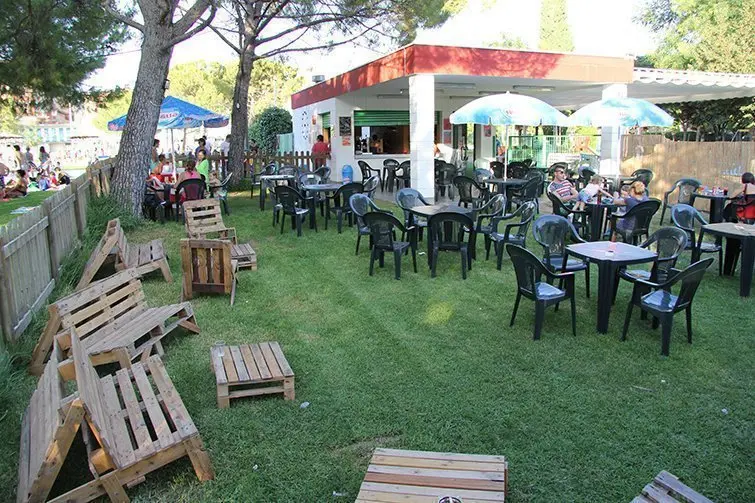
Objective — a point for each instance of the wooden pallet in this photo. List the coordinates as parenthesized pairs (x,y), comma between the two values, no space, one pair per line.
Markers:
(113,245)
(208,267)
(112,318)
(251,370)
(425,477)
(245,255)
(204,220)
(666,488)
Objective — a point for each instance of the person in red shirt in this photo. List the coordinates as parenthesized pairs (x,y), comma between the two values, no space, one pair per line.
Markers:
(320,151)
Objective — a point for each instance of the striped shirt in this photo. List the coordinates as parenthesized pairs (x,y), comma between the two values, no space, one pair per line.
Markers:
(562,189)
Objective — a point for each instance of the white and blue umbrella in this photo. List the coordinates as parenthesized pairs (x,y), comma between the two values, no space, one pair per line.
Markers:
(625,112)
(508,110)
(178,114)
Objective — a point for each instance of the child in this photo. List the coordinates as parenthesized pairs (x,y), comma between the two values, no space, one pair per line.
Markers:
(591,190)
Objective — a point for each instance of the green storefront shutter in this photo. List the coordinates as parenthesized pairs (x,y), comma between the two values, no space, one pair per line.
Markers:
(326,120)
(381,117)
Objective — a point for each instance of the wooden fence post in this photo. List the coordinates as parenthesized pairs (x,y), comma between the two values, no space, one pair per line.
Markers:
(54,259)
(5,298)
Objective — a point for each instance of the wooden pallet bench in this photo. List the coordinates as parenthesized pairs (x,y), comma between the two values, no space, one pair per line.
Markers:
(49,427)
(425,477)
(204,220)
(113,245)
(112,318)
(251,370)
(208,268)
(666,488)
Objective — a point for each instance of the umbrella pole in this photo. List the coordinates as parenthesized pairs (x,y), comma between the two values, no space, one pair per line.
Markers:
(506,155)
(172,151)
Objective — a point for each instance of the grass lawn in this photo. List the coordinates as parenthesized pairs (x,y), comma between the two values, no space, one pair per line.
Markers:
(431,364)
(31,200)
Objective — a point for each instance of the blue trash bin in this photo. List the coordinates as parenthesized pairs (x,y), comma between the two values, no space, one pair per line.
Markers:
(347,173)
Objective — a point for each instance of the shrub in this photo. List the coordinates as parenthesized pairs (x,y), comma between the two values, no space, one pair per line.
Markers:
(267,125)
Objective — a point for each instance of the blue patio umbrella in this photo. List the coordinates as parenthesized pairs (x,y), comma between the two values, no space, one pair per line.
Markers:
(625,112)
(508,110)
(178,114)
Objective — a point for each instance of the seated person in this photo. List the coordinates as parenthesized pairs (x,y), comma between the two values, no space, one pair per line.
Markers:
(744,208)
(17,187)
(376,145)
(592,189)
(629,199)
(561,187)
(214,181)
(155,183)
(60,177)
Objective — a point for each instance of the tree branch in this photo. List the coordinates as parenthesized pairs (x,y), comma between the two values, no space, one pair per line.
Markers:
(288,48)
(120,17)
(301,26)
(225,39)
(189,18)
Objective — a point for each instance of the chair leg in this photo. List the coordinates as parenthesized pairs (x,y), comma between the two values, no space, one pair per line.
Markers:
(487,247)
(233,290)
(688,313)
(382,259)
(433,262)
(573,313)
(414,259)
(359,237)
(397,263)
(626,322)
(666,323)
(298,224)
(463,264)
(587,281)
(721,261)
(539,316)
(516,308)
(373,252)
(339,216)
(283,219)
(663,212)
(499,254)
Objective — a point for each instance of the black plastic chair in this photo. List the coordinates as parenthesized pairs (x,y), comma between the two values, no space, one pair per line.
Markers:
(529,272)
(152,206)
(404,178)
(579,217)
(516,169)
(287,169)
(407,199)
(481,175)
(452,232)
(340,203)
(497,167)
(554,232)
(685,216)
(686,187)
(444,180)
(267,170)
(361,204)
(314,179)
(639,175)
(367,171)
(292,204)
(513,233)
(390,166)
(193,189)
(637,220)
(382,227)
(370,185)
(662,304)
(529,191)
(486,216)
(585,173)
(668,243)
(324,173)
(267,188)
(470,192)
(221,194)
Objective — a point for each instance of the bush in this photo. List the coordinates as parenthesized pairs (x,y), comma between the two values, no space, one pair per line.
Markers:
(267,125)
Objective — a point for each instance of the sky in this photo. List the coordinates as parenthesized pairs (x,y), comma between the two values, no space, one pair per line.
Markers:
(599,27)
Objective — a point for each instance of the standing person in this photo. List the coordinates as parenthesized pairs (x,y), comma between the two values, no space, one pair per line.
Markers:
(29,156)
(201,147)
(43,156)
(203,166)
(224,148)
(155,153)
(320,151)
(561,187)
(18,157)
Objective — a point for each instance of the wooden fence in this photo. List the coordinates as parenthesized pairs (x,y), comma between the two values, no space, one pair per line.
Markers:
(33,246)
(713,163)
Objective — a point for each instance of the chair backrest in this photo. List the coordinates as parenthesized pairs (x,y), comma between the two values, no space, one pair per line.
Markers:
(516,169)
(47,434)
(643,214)
(531,189)
(206,266)
(310,179)
(404,167)
(445,174)
(690,279)
(464,186)
(192,189)
(526,214)
(288,197)
(370,185)
(686,187)
(494,207)
(497,167)
(323,172)
(448,230)
(347,190)
(643,175)
(554,232)
(365,169)
(270,169)
(382,226)
(668,243)
(203,216)
(287,169)
(527,267)
(684,216)
(558,205)
(390,163)
(361,204)
(585,173)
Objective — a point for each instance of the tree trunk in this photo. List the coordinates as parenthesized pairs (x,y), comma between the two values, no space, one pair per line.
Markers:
(240,116)
(132,166)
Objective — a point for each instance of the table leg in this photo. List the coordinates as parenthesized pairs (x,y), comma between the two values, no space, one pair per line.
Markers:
(730,255)
(606,281)
(312,212)
(748,261)
(716,210)
(596,220)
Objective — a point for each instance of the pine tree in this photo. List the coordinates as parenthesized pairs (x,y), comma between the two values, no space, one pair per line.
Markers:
(555,33)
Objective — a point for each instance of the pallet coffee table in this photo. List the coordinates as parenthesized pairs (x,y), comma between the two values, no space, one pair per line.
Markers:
(245,255)
(666,488)
(250,370)
(421,476)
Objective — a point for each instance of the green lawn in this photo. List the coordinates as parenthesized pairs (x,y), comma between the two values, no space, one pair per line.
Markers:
(31,200)
(431,364)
